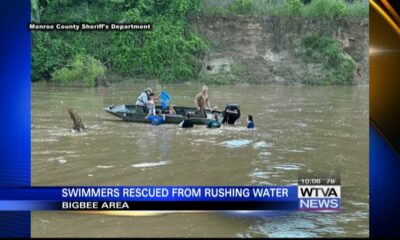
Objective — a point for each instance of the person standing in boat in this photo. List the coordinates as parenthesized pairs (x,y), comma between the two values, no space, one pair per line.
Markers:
(202,102)
(151,104)
(143,100)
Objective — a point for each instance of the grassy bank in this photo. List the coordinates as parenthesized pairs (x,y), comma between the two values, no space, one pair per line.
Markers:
(292,8)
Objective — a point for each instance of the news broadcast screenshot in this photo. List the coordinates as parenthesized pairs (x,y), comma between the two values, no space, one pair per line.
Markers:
(199,118)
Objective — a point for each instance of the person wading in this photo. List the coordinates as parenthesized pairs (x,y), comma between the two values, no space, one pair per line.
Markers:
(186,123)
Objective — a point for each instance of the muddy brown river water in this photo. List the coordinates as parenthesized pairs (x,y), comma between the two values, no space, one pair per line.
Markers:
(298,129)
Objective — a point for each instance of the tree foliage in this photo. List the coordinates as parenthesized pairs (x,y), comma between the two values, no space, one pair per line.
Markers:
(82,70)
(331,9)
(241,6)
(325,9)
(292,7)
(169,51)
(339,66)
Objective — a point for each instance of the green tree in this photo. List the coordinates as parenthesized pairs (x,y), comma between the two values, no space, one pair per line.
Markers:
(338,65)
(170,51)
(82,70)
(292,7)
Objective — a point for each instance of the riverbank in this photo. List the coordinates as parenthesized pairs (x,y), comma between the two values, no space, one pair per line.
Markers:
(274,50)
(314,42)
(253,50)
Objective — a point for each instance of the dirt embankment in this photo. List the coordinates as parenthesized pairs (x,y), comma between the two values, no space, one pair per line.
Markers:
(264,50)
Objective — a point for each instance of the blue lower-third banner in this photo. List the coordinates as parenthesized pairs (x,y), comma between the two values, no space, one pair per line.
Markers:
(157,198)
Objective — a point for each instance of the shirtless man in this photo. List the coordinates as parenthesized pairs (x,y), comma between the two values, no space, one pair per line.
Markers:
(202,103)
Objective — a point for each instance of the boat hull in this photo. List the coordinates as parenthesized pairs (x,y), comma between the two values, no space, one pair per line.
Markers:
(128,113)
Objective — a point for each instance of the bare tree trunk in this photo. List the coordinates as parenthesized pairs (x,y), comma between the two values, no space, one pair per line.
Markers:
(78,125)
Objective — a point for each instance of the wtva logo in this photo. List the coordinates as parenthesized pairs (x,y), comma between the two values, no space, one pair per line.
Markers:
(319,191)
(319,198)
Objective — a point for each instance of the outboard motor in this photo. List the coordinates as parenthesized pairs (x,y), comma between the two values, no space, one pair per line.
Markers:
(231,113)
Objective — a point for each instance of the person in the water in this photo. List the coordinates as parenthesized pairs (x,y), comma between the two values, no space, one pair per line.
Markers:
(186,123)
(214,123)
(250,122)
(156,119)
